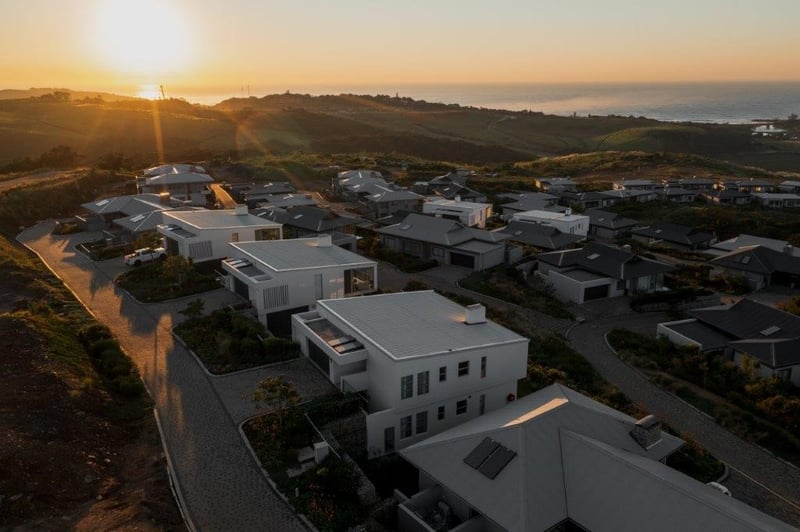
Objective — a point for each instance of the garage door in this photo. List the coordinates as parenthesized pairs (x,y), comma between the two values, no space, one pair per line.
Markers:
(595,292)
(280,323)
(459,259)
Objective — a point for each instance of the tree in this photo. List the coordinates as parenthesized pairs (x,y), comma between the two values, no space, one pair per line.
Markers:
(276,394)
(177,269)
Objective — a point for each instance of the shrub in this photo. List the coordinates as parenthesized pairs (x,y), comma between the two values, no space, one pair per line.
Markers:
(96,349)
(129,385)
(88,334)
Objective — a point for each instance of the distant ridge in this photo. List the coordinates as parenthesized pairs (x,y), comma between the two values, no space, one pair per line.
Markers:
(35,92)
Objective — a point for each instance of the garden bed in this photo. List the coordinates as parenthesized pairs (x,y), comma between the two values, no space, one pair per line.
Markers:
(164,280)
(509,285)
(227,341)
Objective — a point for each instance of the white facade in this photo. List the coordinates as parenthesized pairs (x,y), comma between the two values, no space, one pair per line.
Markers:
(566,222)
(279,276)
(468,213)
(204,235)
(426,362)
(579,286)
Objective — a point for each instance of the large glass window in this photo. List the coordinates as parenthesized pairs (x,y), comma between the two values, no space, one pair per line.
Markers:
(461,407)
(268,234)
(483,367)
(423,385)
(422,422)
(359,280)
(406,386)
(463,368)
(442,373)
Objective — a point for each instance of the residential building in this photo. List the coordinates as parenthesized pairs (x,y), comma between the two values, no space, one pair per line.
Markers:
(284,277)
(744,240)
(598,271)
(587,200)
(678,195)
(608,225)
(204,235)
(283,201)
(746,328)
(637,184)
(348,183)
(640,195)
(186,183)
(566,222)
(727,196)
(539,236)
(424,362)
(306,221)
(378,200)
(555,184)
(556,460)
(777,200)
(253,193)
(762,266)
(103,212)
(673,235)
(754,186)
(790,186)
(445,241)
(458,192)
(468,213)
(696,183)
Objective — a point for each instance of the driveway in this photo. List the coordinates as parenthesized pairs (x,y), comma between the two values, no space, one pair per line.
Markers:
(220,484)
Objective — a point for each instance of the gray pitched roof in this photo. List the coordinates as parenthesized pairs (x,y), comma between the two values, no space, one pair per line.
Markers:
(680,234)
(308,217)
(758,259)
(378,193)
(747,319)
(611,262)
(775,353)
(745,240)
(439,231)
(608,219)
(539,235)
(411,324)
(129,205)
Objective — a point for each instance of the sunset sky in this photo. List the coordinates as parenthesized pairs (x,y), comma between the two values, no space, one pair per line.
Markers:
(218,46)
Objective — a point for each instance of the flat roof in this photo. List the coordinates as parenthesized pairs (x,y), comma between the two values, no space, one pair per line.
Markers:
(299,254)
(218,219)
(582,275)
(549,215)
(414,324)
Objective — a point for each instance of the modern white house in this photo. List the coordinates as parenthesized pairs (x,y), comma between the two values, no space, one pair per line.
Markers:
(566,222)
(204,235)
(284,277)
(559,461)
(468,213)
(425,363)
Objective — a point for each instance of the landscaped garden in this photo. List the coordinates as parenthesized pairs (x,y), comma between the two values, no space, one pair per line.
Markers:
(764,411)
(227,340)
(168,279)
(509,285)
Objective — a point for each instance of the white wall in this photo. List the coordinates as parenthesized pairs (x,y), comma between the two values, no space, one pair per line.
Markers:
(574,224)
(567,288)
(663,329)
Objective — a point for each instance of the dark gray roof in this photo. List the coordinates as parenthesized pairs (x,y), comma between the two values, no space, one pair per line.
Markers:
(679,234)
(539,235)
(611,262)
(589,195)
(309,218)
(727,193)
(676,191)
(452,191)
(759,259)
(527,204)
(775,353)
(747,319)
(709,338)
(607,219)
(439,231)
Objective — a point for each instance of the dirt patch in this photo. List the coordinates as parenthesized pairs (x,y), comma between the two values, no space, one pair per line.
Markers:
(64,464)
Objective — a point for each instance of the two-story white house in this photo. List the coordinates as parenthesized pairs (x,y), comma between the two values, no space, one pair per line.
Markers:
(566,222)
(204,235)
(284,277)
(425,362)
(468,213)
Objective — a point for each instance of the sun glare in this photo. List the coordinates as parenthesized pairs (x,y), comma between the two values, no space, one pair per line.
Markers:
(149,92)
(141,36)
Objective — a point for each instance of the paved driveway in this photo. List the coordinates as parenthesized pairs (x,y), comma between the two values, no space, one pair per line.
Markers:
(221,485)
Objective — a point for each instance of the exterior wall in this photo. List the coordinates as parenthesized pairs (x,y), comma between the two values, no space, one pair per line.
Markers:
(302,286)
(569,289)
(469,217)
(765,372)
(387,208)
(219,239)
(195,193)
(490,259)
(663,329)
(441,254)
(577,226)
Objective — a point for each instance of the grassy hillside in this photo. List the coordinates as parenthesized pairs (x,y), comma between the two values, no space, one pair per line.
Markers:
(141,129)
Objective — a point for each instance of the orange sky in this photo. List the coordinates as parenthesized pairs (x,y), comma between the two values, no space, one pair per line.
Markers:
(215,45)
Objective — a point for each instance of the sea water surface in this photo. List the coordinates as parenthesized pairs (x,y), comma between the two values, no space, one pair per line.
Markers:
(724,102)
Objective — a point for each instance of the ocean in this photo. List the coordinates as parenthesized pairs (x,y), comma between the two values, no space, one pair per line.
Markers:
(735,103)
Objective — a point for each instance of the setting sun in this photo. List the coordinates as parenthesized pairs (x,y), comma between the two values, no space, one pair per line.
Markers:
(141,37)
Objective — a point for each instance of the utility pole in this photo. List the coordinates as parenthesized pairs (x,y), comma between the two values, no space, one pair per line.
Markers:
(163,93)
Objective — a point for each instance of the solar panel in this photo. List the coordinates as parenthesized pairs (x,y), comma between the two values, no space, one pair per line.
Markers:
(480,453)
(497,462)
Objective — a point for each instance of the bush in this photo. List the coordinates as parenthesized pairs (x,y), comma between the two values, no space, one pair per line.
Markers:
(88,334)
(96,349)
(129,385)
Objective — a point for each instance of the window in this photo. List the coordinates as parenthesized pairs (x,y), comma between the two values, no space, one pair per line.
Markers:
(405,427)
(483,367)
(388,439)
(234,237)
(482,405)
(406,386)
(461,407)
(422,422)
(318,286)
(443,374)
(437,252)
(268,234)
(276,296)
(359,280)
(463,368)
(784,374)
(422,383)
(440,413)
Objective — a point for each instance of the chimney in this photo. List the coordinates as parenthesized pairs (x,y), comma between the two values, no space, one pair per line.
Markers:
(647,431)
(240,210)
(474,314)
(568,212)
(789,250)
(458,198)
(324,241)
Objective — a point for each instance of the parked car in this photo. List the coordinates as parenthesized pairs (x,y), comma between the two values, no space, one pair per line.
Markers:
(142,255)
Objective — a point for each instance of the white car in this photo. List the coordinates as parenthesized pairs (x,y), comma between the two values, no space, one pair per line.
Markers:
(142,255)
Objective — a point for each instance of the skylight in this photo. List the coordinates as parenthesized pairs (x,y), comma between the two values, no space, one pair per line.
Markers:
(405,227)
(489,458)
(745,259)
(593,256)
(769,331)
(138,218)
(102,202)
(297,216)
